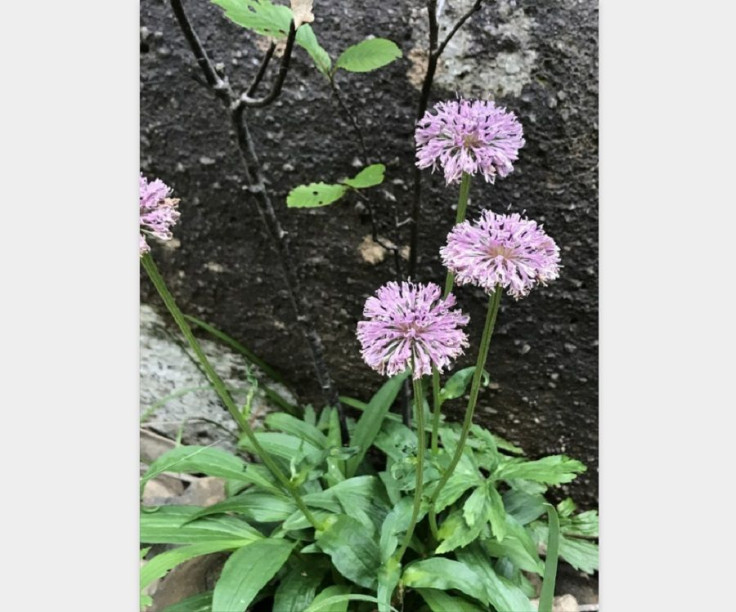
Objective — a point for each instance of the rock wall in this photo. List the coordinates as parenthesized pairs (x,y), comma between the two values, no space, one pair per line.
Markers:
(538,58)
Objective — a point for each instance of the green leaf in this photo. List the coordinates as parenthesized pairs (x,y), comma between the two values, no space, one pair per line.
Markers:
(314,195)
(496,512)
(584,525)
(388,578)
(197,460)
(296,427)
(439,601)
(353,552)
(308,41)
(499,592)
(555,469)
(397,521)
(282,445)
(445,574)
(523,506)
(174,525)
(370,421)
(247,571)
(456,485)
(327,596)
(261,16)
(370,176)
(581,554)
(257,506)
(201,602)
(328,604)
(550,563)
(518,546)
(475,508)
(456,533)
(458,382)
(297,589)
(160,564)
(368,55)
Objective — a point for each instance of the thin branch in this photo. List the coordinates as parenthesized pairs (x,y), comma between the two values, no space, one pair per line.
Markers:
(261,70)
(219,85)
(246,100)
(351,118)
(257,187)
(458,25)
(434,55)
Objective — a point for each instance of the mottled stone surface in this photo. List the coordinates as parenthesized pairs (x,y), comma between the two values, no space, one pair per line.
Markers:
(539,58)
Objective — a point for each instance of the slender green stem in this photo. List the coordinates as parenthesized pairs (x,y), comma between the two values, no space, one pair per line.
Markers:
(437,409)
(547,595)
(462,207)
(219,385)
(493,302)
(421,441)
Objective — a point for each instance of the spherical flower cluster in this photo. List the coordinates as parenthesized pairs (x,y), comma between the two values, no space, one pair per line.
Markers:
(469,136)
(411,326)
(158,211)
(501,250)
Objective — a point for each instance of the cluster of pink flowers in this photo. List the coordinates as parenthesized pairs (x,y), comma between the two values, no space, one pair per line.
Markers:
(501,250)
(411,326)
(469,136)
(157,211)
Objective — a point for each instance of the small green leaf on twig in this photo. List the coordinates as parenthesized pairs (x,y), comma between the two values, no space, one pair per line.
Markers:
(370,176)
(314,194)
(368,55)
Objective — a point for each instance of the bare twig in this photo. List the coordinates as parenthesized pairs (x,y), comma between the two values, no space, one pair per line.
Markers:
(257,187)
(435,51)
(336,92)
(246,100)
(261,70)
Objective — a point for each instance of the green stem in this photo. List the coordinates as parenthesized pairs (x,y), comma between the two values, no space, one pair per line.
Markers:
(462,207)
(419,409)
(219,386)
(493,302)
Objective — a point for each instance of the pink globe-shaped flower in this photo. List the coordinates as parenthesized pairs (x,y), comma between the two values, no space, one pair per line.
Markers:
(410,326)
(158,212)
(475,136)
(501,251)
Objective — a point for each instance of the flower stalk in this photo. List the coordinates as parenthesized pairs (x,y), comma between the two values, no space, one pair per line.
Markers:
(421,442)
(462,208)
(219,385)
(494,301)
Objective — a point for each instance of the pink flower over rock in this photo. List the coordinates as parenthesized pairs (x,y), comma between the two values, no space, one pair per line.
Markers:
(475,136)
(501,250)
(157,211)
(411,326)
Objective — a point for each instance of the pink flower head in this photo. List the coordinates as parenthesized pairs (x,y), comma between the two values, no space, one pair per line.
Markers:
(501,250)
(469,136)
(411,326)
(158,211)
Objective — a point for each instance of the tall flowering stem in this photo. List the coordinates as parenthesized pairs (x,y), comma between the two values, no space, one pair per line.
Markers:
(219,385)
(421,443)
(462,209)
(493,303)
